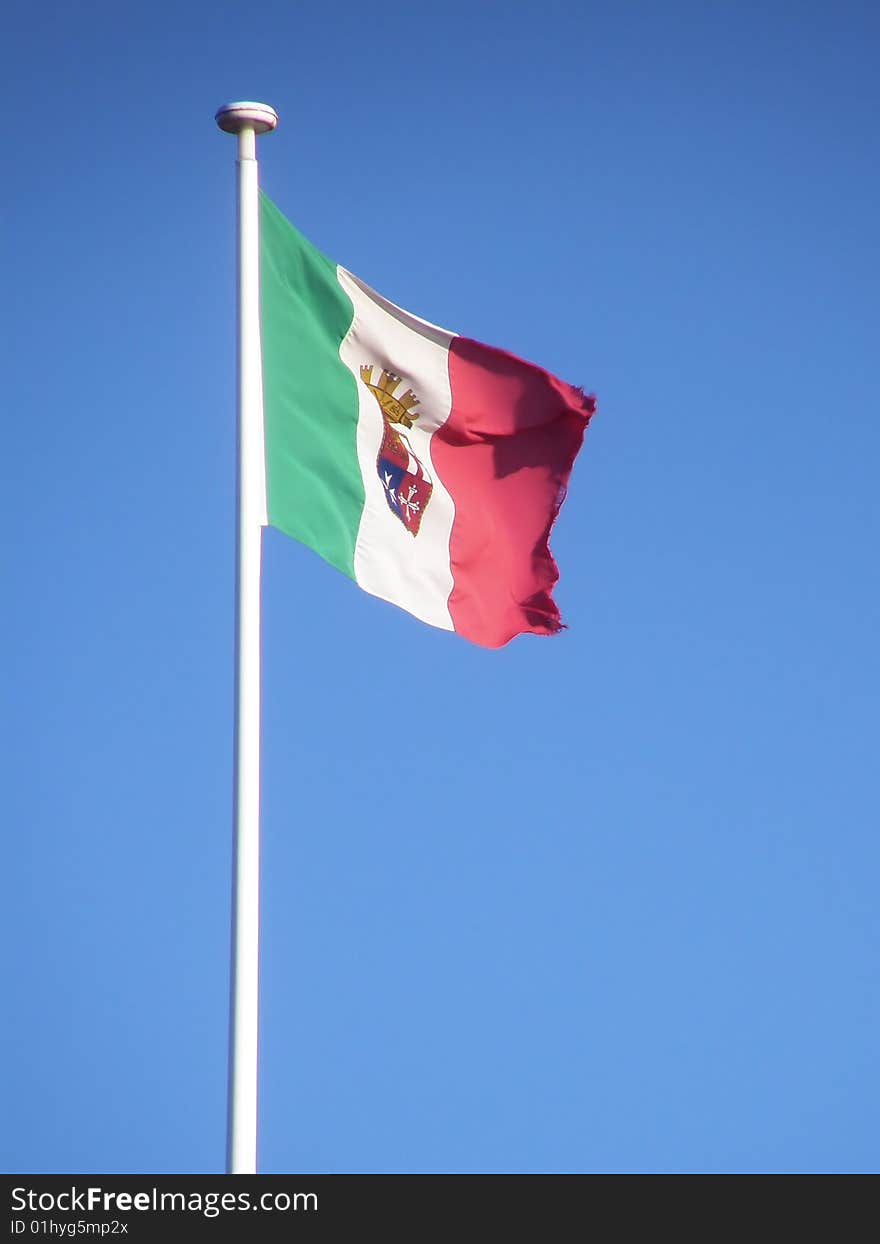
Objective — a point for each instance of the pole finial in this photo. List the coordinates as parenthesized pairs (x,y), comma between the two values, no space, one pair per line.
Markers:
(245,114)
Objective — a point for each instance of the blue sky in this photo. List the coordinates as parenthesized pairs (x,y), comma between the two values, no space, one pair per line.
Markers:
(605,902)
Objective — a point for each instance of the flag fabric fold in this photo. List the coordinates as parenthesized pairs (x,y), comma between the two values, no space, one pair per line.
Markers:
(428,467)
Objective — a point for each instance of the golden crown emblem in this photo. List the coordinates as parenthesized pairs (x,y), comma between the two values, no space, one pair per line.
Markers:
(396,409)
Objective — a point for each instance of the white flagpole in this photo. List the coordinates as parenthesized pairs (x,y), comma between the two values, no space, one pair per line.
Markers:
(247,120)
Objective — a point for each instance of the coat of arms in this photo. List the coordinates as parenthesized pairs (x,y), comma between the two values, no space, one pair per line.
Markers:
(407,485)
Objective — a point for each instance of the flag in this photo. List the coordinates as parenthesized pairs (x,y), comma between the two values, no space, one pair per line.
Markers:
(426,466)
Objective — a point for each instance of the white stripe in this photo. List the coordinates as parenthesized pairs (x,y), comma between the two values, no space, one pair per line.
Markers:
(410,571)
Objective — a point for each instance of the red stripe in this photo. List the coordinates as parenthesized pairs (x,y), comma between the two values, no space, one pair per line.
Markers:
(505,454)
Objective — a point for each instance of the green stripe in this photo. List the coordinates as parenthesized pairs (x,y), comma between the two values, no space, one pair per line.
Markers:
(315,492)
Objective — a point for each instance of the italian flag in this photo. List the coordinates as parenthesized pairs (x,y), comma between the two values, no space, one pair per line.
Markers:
(428,467)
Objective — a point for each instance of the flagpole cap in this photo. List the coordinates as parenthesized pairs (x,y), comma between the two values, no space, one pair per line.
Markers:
(245,114)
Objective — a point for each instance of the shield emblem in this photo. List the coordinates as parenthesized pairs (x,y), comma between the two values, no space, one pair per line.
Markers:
(407,485)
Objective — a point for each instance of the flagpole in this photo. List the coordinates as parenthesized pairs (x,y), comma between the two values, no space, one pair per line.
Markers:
(246,120)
